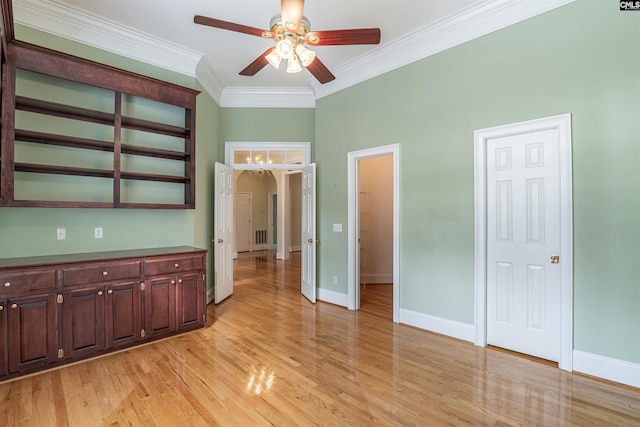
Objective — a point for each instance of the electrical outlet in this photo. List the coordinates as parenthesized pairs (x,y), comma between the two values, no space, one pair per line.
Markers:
(97,232)
(334,280)
(61,233)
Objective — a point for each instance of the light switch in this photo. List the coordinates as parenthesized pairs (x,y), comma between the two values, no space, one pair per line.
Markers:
(337,228)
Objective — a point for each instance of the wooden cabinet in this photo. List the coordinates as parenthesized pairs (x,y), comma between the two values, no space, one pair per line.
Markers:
(174,294)
(32,332)
(60,309)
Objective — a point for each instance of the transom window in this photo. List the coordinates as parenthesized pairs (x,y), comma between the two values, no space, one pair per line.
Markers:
(267,155)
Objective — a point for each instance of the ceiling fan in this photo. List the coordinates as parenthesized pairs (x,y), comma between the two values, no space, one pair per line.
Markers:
(291,32)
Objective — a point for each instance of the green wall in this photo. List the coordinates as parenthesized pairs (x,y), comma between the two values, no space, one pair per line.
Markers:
(581,59)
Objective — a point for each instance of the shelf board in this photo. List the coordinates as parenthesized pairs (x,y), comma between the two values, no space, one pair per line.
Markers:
(62,170)
(62,140)
(61,110)
(155,127)
(153,177)
(153,152)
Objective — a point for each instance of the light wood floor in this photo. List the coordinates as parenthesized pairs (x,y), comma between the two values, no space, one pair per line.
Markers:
(268,357)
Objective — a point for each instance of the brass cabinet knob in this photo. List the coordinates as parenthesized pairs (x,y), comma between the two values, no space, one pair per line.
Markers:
(105,273)
(1,307)
(176,265)
(99,293)
(110,291)
(14,305)
(173,282)
(7,284)
(179,280)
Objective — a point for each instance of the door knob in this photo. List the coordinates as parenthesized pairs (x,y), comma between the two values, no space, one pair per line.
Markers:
(555,259)
(220,240)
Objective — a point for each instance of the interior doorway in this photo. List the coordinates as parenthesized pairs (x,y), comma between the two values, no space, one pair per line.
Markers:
(375,232)
(355,217)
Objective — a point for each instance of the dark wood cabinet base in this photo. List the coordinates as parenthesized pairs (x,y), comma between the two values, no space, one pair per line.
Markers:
(65,308)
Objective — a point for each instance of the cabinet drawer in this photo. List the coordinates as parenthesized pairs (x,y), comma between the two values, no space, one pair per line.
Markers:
(22,281)
(174,265)
(95,273)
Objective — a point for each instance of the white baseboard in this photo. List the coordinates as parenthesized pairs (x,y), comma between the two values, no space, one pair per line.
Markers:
(262,247)
(295,248)
(451,328)
(332,297)
(607,368)
(373,278)
(279,255)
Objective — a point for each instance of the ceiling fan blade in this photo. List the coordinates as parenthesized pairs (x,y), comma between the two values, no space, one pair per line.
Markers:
(231,26)
(343,37)
(257,65)
(291,11)
(320,71)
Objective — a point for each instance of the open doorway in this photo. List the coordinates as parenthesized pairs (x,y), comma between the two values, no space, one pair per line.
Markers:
(375,214)
(354,163)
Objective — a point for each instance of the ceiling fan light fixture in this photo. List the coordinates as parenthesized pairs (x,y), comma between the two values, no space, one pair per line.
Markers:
(293,66)
(274,59)
(306,55)
(284,48)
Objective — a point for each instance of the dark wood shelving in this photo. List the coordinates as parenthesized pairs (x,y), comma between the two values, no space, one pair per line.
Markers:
(62,141)
(62,170)
(19,55)
(61,110)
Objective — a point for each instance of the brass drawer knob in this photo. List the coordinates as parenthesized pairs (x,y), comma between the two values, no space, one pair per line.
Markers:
(180,281)
(14,305)
(173,282)
(110,291)
(176,265)
(99,293)
(105,273)
(1,307)
(7,284)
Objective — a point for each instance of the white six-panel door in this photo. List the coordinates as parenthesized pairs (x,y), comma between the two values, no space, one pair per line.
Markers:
(308,267)
(523,234)
(223,227)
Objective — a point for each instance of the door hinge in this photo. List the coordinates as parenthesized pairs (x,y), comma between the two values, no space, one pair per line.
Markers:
(60,353)
(142,286)
(59,299)
(143,333)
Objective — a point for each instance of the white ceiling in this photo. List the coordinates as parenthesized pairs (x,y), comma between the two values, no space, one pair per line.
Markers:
(162,33)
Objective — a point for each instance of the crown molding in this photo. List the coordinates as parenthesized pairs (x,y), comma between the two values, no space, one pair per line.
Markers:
(208,80)
(267,97)
(461,27)
(72,24)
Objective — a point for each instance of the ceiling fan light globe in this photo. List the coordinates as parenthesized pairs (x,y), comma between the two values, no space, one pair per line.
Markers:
(293,66)
(306,55)
(284,48)
(274,59)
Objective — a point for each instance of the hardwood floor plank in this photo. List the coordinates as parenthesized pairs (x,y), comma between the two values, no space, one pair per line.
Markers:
(268,357)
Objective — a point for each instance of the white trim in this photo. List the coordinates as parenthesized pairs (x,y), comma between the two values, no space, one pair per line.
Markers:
(208,80)
(331,297)
(296,248)
(563,124)
(353,290)
(82,27)
(478,20)
(607,368)
(267,97)
(439,325)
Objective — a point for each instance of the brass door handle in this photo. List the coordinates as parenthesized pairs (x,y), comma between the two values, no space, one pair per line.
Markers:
(309,240)
(220,240)
(555,259)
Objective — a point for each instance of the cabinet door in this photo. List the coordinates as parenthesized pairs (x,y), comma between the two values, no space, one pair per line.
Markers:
(190,302)
(122,305)
(3,338)
(83,329)
(160,306)
(33,332)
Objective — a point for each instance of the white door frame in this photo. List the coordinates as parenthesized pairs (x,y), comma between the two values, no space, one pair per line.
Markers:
(562,123)
(353,191)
